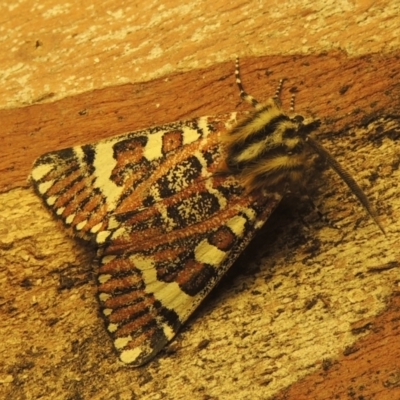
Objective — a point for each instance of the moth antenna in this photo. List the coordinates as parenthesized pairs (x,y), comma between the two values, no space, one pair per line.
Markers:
(277,94)
(347,178)
(243,94)
(292,101)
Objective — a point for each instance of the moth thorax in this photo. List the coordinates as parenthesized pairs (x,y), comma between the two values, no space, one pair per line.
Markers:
(273,156)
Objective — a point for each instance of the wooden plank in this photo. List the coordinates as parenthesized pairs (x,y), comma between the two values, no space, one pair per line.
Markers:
(304,313)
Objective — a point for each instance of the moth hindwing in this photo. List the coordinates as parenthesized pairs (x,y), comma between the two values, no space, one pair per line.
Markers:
(171,207)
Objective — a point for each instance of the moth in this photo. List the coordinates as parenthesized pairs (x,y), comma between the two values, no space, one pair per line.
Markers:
(171,207)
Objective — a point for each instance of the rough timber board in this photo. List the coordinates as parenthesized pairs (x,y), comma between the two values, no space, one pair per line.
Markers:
(49,49)
(290,315)
(362,371)
(53,344)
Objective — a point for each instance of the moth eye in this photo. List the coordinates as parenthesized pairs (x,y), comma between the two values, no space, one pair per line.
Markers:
(298,118)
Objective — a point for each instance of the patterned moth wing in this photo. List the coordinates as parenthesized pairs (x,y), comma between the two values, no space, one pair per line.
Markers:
(171,207)
(167,224)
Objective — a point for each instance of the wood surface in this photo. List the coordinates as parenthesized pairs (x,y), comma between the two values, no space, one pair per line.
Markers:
(308,312)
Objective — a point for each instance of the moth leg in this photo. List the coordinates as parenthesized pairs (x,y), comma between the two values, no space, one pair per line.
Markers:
(323,217)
